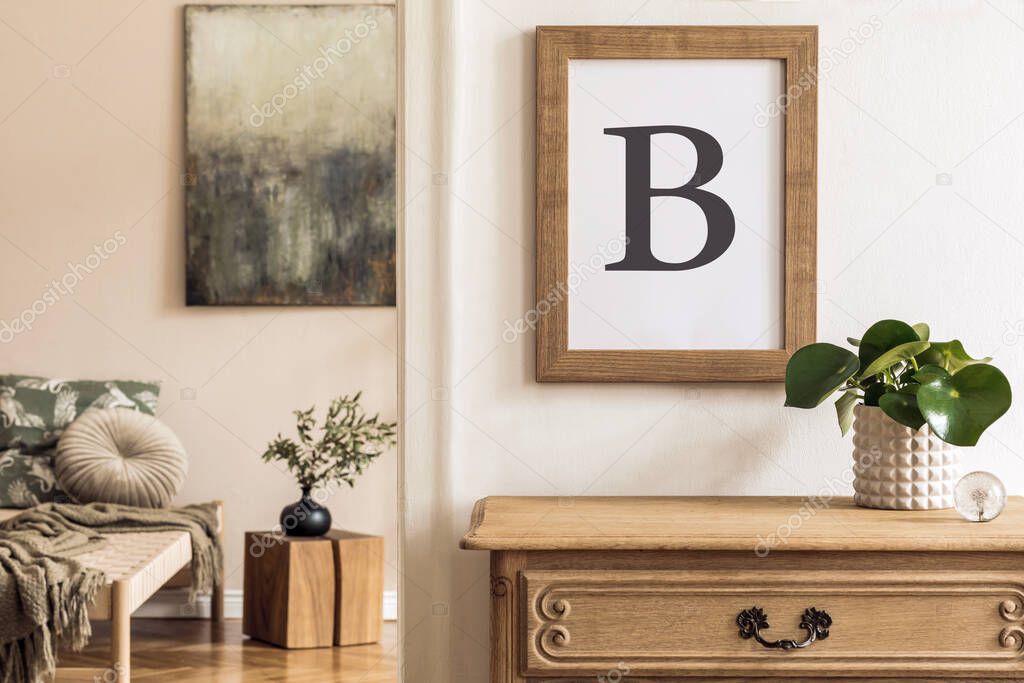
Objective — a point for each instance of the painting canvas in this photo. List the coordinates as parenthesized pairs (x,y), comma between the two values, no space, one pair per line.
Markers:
(290,185)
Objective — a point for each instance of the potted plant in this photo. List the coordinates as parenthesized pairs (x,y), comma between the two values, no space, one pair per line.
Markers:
(911,402)
(348,441)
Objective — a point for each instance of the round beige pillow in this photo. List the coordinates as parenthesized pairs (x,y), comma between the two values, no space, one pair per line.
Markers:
(114,455)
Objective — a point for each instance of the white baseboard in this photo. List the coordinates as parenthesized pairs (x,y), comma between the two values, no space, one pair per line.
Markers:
(390,605)
(172,603)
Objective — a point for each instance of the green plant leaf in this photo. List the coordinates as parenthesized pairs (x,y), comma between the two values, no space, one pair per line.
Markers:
(852,341)
(929,372)
(883,336)
(844,410)
(903,375)
(875,392)
(923,331)
(902,407)
(893,356)
(816,371)
(960,407)
(949,355)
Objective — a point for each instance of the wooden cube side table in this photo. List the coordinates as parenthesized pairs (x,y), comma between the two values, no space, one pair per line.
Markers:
(359,587)
(313,592)
(289,590)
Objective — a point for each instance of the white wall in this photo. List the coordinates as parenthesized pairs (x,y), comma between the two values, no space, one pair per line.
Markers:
(934,91)
(91,135)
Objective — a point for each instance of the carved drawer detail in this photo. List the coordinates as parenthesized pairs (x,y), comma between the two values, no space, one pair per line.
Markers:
(671,623)
(1013,636)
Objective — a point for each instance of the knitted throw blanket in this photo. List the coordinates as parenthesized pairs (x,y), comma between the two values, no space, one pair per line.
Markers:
(45,592)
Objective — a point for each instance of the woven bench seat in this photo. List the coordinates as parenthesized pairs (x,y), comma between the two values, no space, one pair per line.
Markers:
(137,564)
(144,560)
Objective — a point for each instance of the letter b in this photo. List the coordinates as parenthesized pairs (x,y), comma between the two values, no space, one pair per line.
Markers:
(721,223)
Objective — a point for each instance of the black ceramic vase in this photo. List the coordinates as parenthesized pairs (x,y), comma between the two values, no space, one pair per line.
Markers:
(305,517)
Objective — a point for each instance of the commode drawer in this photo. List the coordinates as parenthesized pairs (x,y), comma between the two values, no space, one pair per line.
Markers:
(771,623)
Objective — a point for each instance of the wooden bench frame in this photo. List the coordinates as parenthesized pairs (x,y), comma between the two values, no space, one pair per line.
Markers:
(117,600)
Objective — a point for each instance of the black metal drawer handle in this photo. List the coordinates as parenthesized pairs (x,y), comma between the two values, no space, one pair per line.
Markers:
(816,622)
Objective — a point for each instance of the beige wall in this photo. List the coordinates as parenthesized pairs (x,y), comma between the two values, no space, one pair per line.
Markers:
(931,93)
(91,135)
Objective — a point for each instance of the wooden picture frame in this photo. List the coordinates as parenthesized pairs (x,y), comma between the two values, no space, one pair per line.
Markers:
(797,47)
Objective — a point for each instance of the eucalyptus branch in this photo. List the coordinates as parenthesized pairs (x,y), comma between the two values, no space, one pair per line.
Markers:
(345,444)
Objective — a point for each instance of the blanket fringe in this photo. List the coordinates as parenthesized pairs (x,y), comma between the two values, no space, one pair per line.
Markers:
(34,657)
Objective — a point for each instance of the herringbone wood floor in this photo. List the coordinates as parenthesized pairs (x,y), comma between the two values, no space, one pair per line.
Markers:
(196,651)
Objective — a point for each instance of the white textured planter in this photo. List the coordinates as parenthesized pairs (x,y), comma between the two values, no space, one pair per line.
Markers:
(897,468)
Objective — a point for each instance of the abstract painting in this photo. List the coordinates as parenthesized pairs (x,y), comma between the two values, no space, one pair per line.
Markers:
(290,179)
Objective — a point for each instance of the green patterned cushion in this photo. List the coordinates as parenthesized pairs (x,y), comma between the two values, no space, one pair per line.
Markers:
(27,480)
(33,413)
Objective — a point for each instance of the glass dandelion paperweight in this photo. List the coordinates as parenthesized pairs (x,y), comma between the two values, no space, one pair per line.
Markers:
(980,496)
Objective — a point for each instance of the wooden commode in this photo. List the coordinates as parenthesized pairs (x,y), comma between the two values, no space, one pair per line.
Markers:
(778,589)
